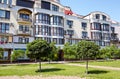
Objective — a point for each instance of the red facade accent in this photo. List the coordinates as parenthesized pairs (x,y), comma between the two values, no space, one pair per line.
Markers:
(68,12)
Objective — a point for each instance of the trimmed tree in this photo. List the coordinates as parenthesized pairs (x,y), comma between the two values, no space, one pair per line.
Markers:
(1,52)
(17,54)
(38,49)
(54,52)
(88,50)
(69,51)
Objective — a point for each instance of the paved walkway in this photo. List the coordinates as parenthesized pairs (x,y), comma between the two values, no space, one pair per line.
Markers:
(99,67)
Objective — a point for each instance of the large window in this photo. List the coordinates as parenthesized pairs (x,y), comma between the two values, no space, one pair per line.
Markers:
(106,36)
(45,5)
(70,23)
(105,27)
(57,20)
(58,41)
(55,7)
(4,14)
(4,27)
(24,16)
(23,40)
(43,18)
(96,35)
(96,26)
(43,30)
(23,28)
(57,31)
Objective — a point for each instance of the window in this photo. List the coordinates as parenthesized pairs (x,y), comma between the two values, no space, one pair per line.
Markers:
(104,17)
(7,15)
(61,41)
(25,3)
(112,29)
(96,26)
(23,40)
(70,32)
(84,35)
(4,14)
(84,25)
(3,39)
(96,35)
(0,1)
(10,2)
(24,16)
(43,18)
(105,27)
(5,1)
(97,16)
(23,28)
(45,5)
(43,30)
(70,23)
(55,7)
(55,40)
(57,20)
(4,27)
(58,31)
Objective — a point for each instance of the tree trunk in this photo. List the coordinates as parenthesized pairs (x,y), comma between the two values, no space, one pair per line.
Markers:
(40,64)
(87,66)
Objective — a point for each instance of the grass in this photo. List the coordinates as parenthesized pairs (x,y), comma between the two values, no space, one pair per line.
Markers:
(110,63)
(57,69)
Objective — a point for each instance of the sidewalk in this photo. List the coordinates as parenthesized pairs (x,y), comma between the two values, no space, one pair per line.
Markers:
(99,67)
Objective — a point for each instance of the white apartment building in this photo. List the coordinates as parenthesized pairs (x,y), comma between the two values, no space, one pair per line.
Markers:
(22,21)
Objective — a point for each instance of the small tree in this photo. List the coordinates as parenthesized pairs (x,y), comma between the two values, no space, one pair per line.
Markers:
(38,49)
(87,50)
(1,52)
(18,54)
(110,52)
(54,52)
(69,51)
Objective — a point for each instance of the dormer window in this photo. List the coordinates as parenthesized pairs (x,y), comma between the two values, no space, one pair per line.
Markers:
(55,7)
(97,16)
(104,17)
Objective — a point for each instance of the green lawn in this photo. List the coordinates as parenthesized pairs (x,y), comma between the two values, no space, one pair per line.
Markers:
(111,63)
(57,69)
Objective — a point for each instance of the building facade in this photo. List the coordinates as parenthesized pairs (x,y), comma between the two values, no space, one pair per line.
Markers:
(22,21)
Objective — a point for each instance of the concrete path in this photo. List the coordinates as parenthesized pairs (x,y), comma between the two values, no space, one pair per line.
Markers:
(99,67)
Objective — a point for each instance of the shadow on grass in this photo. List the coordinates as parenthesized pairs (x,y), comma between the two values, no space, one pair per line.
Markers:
(97,72)
(49,70)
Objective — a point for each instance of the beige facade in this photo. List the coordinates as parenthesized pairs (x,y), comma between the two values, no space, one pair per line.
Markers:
(25,21)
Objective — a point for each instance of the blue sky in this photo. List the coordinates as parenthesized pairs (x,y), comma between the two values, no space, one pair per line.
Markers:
(84,7)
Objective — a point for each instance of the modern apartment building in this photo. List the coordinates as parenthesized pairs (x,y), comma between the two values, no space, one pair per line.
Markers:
(22,21)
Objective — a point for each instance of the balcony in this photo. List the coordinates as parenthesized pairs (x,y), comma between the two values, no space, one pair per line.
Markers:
(24,33)
(22,20)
